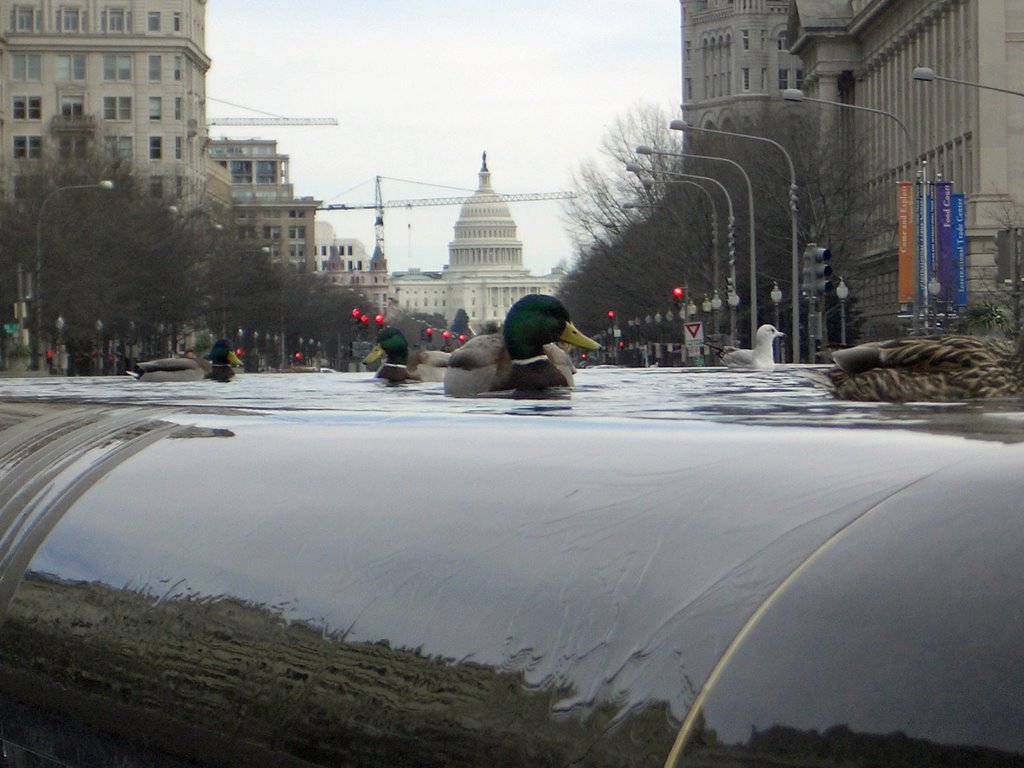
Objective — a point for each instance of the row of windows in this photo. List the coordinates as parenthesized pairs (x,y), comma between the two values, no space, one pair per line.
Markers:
(31,147)
(73,105)
(270,232)
(73,19)
(28,67)
(783,81)
(156,183)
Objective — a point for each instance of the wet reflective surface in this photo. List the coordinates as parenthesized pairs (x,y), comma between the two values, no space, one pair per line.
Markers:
(323,567)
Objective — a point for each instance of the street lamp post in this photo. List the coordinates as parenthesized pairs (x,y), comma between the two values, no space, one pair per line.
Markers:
(795,94)
(842,293)
(37,320)
(731,234)
(794,208)
(645,150)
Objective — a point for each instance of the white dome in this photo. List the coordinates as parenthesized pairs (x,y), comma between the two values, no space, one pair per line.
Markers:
(485,232)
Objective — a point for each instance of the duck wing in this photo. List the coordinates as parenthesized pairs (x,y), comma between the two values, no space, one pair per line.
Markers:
(927,368)
(482,364)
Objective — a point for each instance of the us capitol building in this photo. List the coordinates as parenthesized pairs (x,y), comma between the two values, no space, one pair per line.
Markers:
(484,276)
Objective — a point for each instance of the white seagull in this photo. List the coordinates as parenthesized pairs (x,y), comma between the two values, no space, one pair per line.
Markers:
(760,358)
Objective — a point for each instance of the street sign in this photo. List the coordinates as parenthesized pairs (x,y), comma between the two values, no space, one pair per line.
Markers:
(694,334)
(10,328)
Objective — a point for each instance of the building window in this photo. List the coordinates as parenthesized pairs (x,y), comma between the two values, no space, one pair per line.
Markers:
(781,42)
(119,146)
(783,79)
(177,107)
(156,187)
(71,67)
(177,68)
(27,108)
(153,21)
(155,67)
(117,67)
(241,172)
(25,19)
(176,21)
(117,107)
(26,66)
(116,20)
(799,79)
(72,105)
(28,147)
(156,147)
(296,233)
(70,20)
(156,108)
(745,37)
(746,78)
(73,147)
(179,147)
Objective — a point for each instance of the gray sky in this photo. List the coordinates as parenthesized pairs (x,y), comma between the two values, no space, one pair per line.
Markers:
(420,89)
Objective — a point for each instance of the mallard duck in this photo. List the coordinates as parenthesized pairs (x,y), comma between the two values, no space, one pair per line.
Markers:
(218,367)
(402,365)
(760,358)
(927,368)
(516,358)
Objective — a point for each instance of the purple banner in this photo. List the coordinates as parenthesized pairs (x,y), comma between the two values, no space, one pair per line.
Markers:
(959,215)
(944,237)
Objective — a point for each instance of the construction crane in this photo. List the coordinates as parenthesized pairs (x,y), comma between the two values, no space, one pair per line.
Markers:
(271,121)
(379,205)
(265,118)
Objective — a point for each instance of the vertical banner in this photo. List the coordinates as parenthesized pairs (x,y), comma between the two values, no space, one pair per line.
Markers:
(922,245)
(905,241)
(944,237)
(959,215)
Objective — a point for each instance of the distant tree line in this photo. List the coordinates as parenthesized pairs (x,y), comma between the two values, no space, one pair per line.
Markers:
(123,272)
(639,236)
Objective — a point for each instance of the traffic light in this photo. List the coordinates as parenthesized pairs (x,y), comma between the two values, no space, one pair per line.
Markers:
(379,320)
(611,315)
(817,270)
(356,314)
(364,321)
(677,296)
(428,334)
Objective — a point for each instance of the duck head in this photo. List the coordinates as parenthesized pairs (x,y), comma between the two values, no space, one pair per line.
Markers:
(222,354)
(536,320)
(390,342)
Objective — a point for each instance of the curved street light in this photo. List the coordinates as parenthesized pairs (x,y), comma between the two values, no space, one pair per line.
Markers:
(645,150)
(731,234)
(795,94)
(38,303)
(794,208)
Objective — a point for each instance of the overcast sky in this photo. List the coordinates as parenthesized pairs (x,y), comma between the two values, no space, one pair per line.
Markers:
(421,88)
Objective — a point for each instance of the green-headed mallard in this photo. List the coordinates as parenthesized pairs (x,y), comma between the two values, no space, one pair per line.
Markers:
(927,368)
(760,358)
(218,367)
(517,358)
(401,364)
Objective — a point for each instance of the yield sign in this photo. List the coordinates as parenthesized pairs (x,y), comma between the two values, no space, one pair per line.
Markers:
(694,332)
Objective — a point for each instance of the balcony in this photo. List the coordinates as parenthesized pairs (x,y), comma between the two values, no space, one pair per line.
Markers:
(73,124)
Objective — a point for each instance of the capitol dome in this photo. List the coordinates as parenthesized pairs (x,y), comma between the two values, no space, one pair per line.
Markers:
(485,232)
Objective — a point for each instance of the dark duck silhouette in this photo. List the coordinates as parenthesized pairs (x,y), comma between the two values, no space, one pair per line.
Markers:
(928,369)
(219,366)
(524,356)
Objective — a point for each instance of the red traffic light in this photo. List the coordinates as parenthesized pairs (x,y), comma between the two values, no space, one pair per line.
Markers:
(677,292)
(364,319)
(356,313)
(238,351)
(611,314)
(298,355)
(429,332)
(378,319)
(446,333)
(462,337)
